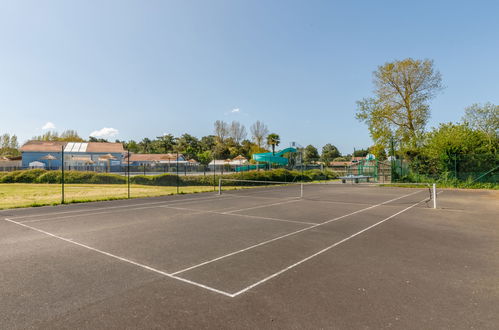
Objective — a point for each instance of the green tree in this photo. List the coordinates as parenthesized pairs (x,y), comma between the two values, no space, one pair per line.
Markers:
(94,139)
(329,152)
(400,107)
(378,151)
(9,145)
(273,140)
(131,146)
(145,146)
(361,153)
(70,135)
(205,157)
(189,145)
(207,143)
(310,154)
(453,146)
(484,118)
(165,143)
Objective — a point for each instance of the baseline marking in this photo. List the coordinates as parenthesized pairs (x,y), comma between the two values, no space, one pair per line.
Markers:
(120,258)
(289,234)
(323,250)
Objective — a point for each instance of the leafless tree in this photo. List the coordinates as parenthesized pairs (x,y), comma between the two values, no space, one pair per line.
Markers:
(259,132)
(237,132)
(221,130)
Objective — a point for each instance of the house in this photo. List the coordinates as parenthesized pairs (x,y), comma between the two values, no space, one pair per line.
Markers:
(10,163)
(105,156)
(234,162)
(155,159)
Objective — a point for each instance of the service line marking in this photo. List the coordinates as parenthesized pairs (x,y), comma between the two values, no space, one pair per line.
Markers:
(289,234)
(322,251)
(239,215)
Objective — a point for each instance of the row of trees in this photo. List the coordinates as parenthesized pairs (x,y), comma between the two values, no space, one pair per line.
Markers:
(227,141)
(398,112)
(9,146)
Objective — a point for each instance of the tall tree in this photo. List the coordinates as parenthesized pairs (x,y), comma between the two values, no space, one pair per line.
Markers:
(329,152)
(273,140)
(166,142)
(259,131)
(70,135)
(483,118)
(237,132)
(310,154)
(400,107)
(207,143)
(221,130)
(145,145)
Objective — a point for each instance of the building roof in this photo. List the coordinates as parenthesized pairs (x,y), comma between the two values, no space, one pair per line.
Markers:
(55,146)
(48,146)
(240,157)
(153,157)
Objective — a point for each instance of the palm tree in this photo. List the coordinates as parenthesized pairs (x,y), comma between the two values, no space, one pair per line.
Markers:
(273,140)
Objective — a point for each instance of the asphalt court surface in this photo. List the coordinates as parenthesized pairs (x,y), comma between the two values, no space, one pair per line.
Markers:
(252,257)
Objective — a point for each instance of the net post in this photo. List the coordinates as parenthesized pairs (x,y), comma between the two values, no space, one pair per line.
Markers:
(301,190)
(220,186)
(434,189)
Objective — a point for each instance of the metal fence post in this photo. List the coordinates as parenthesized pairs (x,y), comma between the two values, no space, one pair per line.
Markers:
(434,195)
(62,174)
(128,174)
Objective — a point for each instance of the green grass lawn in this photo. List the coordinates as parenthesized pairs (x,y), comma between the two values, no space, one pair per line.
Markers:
(14,195)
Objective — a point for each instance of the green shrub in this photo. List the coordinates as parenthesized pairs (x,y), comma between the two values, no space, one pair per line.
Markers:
(49,177)
(29,176)
(106,178)
(141,179)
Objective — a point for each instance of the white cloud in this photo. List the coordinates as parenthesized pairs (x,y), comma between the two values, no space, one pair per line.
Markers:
(235,110)
(48,125)
(105,132)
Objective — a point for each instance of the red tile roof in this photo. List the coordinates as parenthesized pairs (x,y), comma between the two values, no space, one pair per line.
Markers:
(153,157)
(55,146)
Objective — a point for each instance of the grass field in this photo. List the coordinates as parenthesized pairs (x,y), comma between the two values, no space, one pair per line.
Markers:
(13,195)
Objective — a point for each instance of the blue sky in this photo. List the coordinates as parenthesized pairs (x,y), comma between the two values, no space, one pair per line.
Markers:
(145,68)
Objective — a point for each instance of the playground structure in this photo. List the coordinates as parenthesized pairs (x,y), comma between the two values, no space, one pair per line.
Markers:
(374,169)
(267,158)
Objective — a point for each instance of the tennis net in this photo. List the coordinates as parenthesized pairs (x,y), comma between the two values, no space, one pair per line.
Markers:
(264,189)
(351,193)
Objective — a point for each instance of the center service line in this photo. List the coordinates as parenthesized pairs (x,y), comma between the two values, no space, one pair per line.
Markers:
(289,234)
(323,250)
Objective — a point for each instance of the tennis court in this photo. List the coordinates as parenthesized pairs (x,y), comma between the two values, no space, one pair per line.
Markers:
(286,256)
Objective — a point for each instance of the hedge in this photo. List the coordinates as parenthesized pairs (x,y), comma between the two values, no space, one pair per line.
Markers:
(44,176)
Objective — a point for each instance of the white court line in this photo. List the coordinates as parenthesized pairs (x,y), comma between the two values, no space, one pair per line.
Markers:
(142,208)
(121,258)
(117,210)
(239,215)
(322,251)
(287,235)
(261,206)
(115,207)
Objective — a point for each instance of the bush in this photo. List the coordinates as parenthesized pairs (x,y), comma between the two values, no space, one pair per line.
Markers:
(43,176)
(49,177)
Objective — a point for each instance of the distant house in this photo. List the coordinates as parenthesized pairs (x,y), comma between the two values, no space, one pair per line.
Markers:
(77,155)
(234,162)
(9,163)
(154,159)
